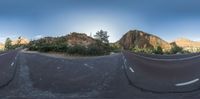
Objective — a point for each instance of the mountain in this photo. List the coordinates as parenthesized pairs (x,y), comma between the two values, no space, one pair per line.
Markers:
(20,40)
(187,44)
(1,46)
(136,38)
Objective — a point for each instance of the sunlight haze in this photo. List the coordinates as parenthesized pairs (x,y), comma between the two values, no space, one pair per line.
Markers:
(32,18)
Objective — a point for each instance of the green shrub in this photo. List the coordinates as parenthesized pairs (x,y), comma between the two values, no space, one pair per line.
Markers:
(176,49)
(95,50)
(77,49)
(158,50)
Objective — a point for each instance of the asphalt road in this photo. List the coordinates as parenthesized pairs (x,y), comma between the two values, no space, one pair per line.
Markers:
(164,75)
(7,67)
(119,76)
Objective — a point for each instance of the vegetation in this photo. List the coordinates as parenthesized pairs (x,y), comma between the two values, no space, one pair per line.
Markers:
(176,49)
(60,44)
(158,50)
(8,44)
(102,36)
(142,50)
(115,47)
(48,44)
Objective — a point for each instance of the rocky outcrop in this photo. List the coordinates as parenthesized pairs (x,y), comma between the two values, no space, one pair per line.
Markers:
(136,38)
(71,39)
(79,39)
(186,44)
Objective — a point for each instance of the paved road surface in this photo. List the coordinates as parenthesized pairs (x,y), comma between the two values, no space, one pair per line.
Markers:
(7,67)
(43,77)
(164,75)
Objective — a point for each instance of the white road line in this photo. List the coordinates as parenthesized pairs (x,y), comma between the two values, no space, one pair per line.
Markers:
(15,57)
(131,69)
(187,83)
(3,54)
(125,61)
(125,64)
(86,65)
(12,64)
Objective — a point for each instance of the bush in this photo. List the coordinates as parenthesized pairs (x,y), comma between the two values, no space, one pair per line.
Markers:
(60,48)
(95,50)
(77,49)
(49,44)
(142,50)
(176,49)
(158,50)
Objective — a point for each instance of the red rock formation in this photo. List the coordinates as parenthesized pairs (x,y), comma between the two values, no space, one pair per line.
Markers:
(141,39)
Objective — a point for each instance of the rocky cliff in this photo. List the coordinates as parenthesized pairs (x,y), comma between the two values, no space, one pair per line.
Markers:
(79,39)
(141,39)
(187,44)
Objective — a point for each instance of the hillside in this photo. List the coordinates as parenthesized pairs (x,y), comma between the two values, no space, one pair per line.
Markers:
(79,39)
(71,39)
(187,44)
(136,38)
(73,43)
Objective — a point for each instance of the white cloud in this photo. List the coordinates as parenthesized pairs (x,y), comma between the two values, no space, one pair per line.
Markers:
(2,39)
(37,36)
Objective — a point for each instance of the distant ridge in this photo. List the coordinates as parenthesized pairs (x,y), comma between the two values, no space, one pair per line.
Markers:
(1,46)
(187,44)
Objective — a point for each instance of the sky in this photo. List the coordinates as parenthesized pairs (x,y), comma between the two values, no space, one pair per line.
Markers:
(33,19)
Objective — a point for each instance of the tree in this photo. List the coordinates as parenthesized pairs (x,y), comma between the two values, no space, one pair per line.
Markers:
(158,50)
(19,40)
(175,49)
(102,36)
(8,44)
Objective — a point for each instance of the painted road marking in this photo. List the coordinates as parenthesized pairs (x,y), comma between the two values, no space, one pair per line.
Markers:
(12,64)
(15,57)
(3,54)
(131,69)
(187,83)
(125,61)
(125,64)
(86,65)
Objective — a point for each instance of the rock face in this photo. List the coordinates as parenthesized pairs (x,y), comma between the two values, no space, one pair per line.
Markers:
(1,46)
(187,44)
(20,40)
(79,39)
(71,39)
(141,39)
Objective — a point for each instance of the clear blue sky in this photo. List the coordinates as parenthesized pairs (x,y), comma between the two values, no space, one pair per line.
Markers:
(169,19)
